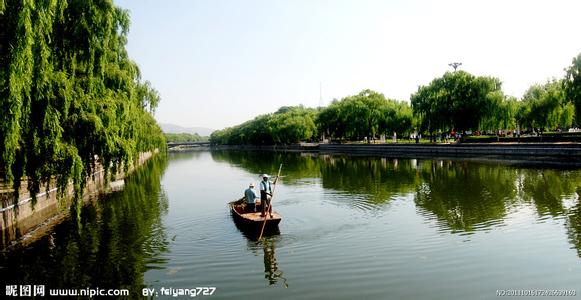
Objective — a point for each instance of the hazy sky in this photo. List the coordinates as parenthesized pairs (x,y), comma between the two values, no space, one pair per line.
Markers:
(219,63)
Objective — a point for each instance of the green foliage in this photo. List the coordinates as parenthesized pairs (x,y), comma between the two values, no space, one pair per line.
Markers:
(116,240)
(293,124)
(184,137)
(486,193)
(364,115)
(330,121)
(545,106)
(503,116)
(287,125)
(457,100)
(572,85)
(69,93)
(396,117)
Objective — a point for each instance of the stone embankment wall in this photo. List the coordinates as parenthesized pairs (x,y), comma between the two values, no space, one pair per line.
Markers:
(520,150)
(22,218)
(554,150)
(549,154)
(302,147)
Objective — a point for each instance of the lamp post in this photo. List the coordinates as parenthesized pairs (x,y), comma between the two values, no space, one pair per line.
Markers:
(455,65)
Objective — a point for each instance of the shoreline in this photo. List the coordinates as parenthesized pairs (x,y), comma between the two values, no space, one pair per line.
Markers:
(552,154)
(23,223)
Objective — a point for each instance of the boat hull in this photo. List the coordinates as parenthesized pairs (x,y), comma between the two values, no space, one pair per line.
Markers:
(252,222)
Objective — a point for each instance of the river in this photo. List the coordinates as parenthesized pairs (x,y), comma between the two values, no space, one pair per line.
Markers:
(380,228)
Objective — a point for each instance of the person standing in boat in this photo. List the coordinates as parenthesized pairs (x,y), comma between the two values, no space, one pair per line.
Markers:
(251,197)
(265,194)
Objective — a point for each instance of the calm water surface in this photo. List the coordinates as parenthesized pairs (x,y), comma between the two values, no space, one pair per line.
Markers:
(379,228)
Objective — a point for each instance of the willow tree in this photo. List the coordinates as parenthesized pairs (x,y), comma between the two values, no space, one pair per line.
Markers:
(330,123)
(546,107)
(572,84)
(457,100)
(505,115)
(293,124)
(70,97)
(366,114)
(397,116)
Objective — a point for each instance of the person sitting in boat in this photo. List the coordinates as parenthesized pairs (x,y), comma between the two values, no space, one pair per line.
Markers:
(251,197)
(265,194)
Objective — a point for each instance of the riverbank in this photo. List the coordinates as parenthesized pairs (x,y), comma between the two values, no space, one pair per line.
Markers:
(569,150)
(567,154)
(23,222)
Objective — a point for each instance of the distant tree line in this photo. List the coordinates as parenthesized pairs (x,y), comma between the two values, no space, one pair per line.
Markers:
(184,137)
(364,115)
(455,102)
(287,125)
(70,96)
(367,114)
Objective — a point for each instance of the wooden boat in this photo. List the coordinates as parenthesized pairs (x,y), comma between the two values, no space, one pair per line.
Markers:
(251,222)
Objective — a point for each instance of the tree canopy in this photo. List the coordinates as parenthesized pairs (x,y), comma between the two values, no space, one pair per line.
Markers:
(366,114)
(457,100)
(572,83)
(184,137)
(545,106)
(69,94)
(287,125)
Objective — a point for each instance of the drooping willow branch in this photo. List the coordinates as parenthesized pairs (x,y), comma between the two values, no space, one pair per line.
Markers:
(69,94)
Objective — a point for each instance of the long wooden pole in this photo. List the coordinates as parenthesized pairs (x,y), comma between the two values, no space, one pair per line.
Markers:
(269,208)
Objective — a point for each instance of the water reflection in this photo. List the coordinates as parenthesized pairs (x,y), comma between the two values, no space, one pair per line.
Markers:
(378,179)
(120,236)
(296,167)
(268,245)
(573,223)
(546,189)
(464,196)
(267,248)
(271,271)
(185,155)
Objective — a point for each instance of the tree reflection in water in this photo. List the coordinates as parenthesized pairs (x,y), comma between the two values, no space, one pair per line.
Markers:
(465,196)
(573,223)
(119,237)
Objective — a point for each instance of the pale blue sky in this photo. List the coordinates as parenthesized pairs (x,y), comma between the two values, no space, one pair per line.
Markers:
(217,63)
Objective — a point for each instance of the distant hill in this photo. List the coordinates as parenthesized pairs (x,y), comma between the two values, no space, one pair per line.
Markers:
(172,128)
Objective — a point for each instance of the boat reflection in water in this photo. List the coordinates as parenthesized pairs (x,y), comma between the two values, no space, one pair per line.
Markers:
(268,245)
(271,271)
